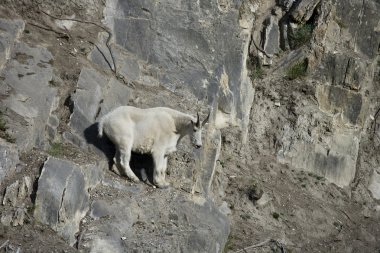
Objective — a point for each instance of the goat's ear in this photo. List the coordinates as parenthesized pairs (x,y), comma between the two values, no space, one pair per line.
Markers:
(198,124)
(206,119)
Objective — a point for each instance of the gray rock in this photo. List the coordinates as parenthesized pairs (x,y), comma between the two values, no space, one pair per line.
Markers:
(304,10)
(163,221)
(10,196)
(51,127)
(333,157)
(286,4)
(10,31)
(363,35)
(344,70)
(96,95)
(204,168)
(19,217)
(127,64)
(271,39)
(62,196)
(6,218)
(8,159)
(339,101)
(374,184)
(29,99)
(17,192)
(25,188)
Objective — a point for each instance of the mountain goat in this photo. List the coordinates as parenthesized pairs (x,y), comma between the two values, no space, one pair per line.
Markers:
(153,130)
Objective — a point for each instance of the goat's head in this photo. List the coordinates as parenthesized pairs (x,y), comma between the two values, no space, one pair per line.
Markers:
(196,134)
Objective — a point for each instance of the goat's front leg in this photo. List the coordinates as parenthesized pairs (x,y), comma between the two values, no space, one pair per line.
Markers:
(160,164)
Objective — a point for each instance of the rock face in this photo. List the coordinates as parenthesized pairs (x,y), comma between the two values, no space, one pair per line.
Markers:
(191,56)
(11,30)
(374,185)
(323,139)
(62,197)
(186,47)
(30,99)
(156,221)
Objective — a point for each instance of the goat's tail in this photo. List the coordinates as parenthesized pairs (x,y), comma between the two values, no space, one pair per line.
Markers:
(100,128)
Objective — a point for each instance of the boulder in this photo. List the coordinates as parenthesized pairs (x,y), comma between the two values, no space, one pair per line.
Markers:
(8,159)
(271,38)
(304,10)
(62,198)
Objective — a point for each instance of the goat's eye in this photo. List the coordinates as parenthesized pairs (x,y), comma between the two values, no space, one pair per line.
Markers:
(194,130)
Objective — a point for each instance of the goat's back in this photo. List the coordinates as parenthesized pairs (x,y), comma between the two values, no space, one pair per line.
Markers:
(129,121)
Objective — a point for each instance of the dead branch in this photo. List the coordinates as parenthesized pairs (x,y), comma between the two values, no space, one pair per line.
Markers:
(259,48)
(93,23)
(262,244)
(4,244)
(61,34)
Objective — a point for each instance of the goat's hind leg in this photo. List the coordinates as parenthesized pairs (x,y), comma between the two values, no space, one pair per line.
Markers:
(116,167)
(124,158)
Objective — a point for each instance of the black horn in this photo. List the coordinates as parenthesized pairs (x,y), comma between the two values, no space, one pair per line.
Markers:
(206,119)
(198,124)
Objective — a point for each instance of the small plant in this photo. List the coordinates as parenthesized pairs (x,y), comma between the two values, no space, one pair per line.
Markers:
(254,64)
(230,245)
(56,149)
(317,177)
(257,73)
(297,70)
(53,83)
(275,215)
(254,191)
(3,126)
(301,35)
(245,216)
(3,129)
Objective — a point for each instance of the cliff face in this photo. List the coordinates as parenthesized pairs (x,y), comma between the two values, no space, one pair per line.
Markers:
(290,152)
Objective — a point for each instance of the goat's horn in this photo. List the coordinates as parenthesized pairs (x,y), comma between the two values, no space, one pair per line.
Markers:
(206,119)
(198,124)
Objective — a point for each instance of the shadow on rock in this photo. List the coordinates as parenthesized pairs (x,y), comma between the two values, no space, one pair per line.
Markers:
(141,164)
(102,144)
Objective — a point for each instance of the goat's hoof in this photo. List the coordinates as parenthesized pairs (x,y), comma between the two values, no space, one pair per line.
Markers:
(164,185)
(134,180)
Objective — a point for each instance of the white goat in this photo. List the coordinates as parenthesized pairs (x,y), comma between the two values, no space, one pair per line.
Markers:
(154,130)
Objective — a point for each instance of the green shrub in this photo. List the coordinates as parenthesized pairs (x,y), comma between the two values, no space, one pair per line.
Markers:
(257,73)
(297,70)
(301,35)
(3,126)
(56,149)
